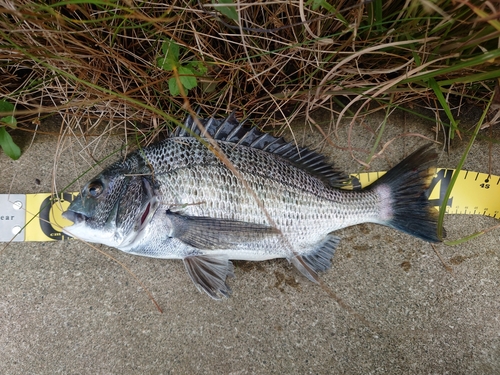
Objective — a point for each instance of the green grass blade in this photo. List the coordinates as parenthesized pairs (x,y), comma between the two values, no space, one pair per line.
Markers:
(444,104)
(476,61)
(458,168)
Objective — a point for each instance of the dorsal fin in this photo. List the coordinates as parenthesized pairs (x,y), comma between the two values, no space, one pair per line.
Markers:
(231,130)
(218,129)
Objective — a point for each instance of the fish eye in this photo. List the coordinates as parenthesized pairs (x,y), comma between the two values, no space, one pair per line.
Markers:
(95,188)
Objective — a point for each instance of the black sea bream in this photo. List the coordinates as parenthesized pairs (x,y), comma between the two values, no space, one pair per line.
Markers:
(178,200)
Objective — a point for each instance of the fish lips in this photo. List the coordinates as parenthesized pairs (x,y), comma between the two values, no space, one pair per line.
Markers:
(76,211)
(83,231)
(74,217)
(78,220)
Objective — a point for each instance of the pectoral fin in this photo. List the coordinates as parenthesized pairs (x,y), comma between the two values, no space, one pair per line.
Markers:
(207,233)
(209,273)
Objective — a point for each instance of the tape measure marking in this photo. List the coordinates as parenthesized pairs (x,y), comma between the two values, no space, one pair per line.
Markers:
(37,217)
(12,217)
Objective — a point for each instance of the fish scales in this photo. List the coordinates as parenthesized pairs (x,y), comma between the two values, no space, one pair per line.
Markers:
(294,199)
(177,199)
(208,193)
(205,172)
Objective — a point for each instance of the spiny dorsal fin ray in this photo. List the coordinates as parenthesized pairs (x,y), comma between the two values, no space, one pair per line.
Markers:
(231,130)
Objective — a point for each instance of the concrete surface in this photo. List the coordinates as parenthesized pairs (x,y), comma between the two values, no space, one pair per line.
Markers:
(65,308)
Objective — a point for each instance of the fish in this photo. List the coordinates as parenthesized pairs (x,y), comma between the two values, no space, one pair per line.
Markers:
(226,191)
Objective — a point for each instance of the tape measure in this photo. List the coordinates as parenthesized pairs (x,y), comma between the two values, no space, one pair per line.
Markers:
(474,193)
(37,217)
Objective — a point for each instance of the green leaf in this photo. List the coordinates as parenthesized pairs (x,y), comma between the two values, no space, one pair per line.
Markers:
(165,63)
(170,49)
(316,4)
(172,87)
(5,106)
(198,67)
(9,147)
(9,121)
(171,58)
(229,11)
(186,75)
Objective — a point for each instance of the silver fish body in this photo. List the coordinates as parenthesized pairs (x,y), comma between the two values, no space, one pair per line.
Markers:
(179,199)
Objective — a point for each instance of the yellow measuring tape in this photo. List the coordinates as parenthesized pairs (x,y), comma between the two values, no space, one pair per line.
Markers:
(474,193)
(37,217)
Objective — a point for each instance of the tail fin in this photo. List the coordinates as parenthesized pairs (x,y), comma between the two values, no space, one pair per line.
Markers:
(405,186)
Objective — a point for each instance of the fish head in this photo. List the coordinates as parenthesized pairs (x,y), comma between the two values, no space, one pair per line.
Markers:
(112,208)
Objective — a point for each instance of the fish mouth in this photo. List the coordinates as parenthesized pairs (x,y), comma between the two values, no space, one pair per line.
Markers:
(74,217)
(82,229)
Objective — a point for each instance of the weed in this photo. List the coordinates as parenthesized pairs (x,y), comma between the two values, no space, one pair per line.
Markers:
(131,62)
(6,142)
(185,74)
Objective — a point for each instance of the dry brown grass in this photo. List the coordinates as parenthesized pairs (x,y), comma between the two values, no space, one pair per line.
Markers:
(96,63)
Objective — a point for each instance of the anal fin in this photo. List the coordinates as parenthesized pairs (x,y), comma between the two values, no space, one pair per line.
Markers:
(320,259)
(317,260)
(209,273)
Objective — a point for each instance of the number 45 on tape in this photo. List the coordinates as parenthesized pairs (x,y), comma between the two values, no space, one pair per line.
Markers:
(37,217)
